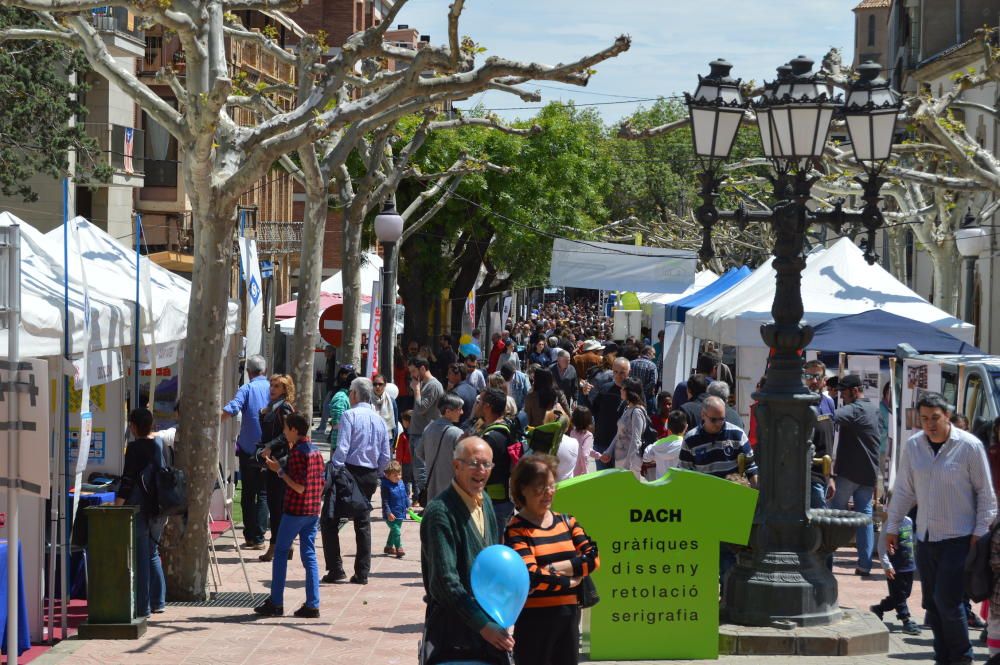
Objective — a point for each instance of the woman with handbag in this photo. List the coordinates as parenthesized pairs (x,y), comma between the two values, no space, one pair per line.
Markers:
(560,558)
(272,440)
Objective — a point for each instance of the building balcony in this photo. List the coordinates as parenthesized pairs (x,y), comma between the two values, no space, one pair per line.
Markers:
(124,150)
(250,57)
(279,237)
(117,28)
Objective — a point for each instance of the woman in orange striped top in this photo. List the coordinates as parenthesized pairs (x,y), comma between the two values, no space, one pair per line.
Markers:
(558,554)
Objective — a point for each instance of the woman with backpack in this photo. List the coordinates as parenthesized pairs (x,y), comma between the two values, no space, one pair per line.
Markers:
(627,444)
(272,441)
(143,456)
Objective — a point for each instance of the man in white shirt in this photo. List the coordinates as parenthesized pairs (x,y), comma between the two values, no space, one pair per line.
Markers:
(944,471)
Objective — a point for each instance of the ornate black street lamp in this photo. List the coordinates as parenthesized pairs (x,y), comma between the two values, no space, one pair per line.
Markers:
(784,578)
(388,230)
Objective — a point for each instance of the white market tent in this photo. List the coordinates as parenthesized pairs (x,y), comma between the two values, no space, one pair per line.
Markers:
(111,271)
(836,282)
(371,272)
(614,267)
(110,303)
(702,278)
(42,303)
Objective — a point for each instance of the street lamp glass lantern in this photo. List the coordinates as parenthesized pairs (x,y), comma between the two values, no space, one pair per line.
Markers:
(798,114)
(716,110)
(870,113)
(388,224)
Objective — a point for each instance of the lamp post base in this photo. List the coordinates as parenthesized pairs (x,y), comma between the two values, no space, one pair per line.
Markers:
(782,589)
(857,633)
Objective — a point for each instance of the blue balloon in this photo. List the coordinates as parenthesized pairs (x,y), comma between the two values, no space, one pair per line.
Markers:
(500,583)
(470,349)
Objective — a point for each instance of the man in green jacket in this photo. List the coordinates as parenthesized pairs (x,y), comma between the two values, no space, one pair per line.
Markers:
(340,403)
(456,526)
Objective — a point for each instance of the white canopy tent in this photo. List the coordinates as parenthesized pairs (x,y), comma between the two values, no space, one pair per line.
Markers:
(371,272)
(111,271)
(43,301)
(836,282)
(614,267)
(702,278)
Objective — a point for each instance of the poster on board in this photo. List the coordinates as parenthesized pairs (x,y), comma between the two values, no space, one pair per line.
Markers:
(868,370)
(919,378)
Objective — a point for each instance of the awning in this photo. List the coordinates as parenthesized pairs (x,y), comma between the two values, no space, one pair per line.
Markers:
(614,267)
(677,310)
(877,332)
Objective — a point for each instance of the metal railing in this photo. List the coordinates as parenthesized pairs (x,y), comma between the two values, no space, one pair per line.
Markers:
(249,55)
(279,237)
(116,20)
(125,153)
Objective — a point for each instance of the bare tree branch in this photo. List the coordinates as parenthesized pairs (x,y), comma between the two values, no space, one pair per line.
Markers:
(626,131)
(485,122)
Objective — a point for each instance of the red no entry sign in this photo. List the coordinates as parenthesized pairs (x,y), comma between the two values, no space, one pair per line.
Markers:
(331,324)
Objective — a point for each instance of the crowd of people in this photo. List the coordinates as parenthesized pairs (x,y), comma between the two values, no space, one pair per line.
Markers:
(478,446)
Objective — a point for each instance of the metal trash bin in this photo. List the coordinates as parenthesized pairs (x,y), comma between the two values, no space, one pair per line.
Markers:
(111,575)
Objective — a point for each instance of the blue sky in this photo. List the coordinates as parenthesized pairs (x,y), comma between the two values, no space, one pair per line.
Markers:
(672,40)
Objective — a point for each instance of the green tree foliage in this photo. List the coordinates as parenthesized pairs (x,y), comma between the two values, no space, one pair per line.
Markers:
(36,105)
(559,185)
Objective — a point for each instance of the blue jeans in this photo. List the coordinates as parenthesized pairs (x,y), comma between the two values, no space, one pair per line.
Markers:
(150,587)
(324,411)
(419,467)
(303,526)
(941,565)
(847,489)
(817,495)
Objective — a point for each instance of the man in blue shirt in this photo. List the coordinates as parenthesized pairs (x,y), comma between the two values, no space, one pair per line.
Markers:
(363,451)
(249,400)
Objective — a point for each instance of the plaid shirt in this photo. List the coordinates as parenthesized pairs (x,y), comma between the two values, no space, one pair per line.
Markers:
(305,466)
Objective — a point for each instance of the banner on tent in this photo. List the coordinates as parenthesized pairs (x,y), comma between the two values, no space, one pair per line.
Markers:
(32,474)
(101,367)
(165,354)
(507,302)
(97,452)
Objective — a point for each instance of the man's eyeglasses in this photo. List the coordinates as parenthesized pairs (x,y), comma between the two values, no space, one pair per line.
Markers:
(378,385)
(812,377)
(716,421)
(476,464)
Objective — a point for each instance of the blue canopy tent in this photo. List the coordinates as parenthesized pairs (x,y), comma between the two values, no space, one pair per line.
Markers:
(677,310)
(877,332)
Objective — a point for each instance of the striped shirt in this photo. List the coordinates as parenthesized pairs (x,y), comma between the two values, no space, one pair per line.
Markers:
(564,540)
(952,488)
(717,454)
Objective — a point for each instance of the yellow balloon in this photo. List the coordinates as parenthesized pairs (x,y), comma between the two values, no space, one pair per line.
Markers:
(465,339)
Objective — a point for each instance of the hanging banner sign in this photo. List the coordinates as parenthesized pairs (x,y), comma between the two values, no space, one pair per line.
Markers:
(374,330)
(102,367)
(255,295)
(505,313)
(83,449)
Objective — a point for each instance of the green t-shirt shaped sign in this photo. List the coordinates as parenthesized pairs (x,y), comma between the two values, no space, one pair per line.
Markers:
(659,548)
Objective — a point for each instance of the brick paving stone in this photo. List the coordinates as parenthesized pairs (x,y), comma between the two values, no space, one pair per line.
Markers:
(380,623)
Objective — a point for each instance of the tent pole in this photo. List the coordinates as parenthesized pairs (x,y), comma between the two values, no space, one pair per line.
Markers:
(67,516)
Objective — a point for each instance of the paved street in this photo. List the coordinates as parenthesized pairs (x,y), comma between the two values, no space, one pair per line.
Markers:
(375,624)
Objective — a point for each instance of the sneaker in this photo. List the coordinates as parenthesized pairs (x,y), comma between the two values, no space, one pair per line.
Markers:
(255,546)
(307,612)
(269,609)
(862,573)
(874,609)
(910,627)
(333,578)
(358,580)
(159,610)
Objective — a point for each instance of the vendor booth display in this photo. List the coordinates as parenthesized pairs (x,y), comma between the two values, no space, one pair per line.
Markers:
(836,282)
(105,303)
